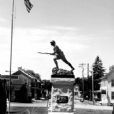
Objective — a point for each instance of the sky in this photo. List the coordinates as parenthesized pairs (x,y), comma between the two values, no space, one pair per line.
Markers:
(83,29)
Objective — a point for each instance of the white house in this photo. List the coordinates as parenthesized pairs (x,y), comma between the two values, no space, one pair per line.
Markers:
(107,88)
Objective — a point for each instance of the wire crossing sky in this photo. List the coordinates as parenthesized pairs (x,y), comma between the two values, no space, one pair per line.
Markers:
(82,29)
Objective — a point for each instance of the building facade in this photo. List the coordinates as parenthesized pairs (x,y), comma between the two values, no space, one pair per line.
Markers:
(107,88)
(20,82)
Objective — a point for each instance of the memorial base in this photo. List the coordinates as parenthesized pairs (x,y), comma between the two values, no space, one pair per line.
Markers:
(60,113)
(62,97)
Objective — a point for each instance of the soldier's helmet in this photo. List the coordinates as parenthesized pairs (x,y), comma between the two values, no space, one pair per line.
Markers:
(52,42)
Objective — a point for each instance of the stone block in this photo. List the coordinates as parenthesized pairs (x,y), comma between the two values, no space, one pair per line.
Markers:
(62,96)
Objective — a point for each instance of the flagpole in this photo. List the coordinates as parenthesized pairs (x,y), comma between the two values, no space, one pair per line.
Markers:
(11,45)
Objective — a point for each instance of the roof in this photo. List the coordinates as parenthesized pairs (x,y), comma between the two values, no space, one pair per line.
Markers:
(108,74)
(103,78)
(21,71)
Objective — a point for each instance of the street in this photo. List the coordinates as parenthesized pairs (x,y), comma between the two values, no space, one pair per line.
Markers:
(41,107)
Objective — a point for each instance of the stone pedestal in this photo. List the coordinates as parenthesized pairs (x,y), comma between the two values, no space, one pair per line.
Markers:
(62,96)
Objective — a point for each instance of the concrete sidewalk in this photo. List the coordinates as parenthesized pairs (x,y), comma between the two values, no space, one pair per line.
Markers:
(42,108)
(93,107)
(60,112)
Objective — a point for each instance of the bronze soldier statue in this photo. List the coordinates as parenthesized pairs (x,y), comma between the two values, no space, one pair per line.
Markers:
(59,55)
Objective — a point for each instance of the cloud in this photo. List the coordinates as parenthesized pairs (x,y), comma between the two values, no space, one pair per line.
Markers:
(61,28)
(27,42)
(5,36)
(40,38)
(2,20)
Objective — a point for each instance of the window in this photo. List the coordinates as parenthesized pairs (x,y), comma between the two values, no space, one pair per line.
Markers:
(112,95)
(112,83)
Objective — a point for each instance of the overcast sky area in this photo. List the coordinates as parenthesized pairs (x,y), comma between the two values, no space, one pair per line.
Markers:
(83,29)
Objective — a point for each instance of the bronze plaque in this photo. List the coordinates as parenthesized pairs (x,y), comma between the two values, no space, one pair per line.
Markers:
(62,99)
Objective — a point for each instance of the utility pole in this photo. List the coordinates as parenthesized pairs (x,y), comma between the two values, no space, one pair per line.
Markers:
(88,70)
(92,86)
(82,66)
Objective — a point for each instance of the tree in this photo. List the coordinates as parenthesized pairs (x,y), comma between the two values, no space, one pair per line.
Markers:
(46,88)
(36,75)
(98,72)
(78,81)
(87,86)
